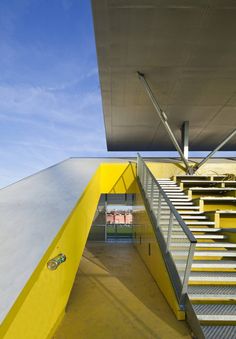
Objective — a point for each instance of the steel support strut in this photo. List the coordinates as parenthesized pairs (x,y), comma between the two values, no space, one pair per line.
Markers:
(185,138)
(164,121)
(230,136)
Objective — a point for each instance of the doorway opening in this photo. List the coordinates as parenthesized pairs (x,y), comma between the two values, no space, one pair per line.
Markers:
(113,220)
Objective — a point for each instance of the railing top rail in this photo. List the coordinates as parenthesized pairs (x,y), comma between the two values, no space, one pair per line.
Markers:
(181,222)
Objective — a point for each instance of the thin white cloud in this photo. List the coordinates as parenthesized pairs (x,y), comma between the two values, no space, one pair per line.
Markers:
(24,102)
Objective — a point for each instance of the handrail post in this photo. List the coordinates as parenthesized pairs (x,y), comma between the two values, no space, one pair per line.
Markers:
(146,179)
(170,226)
(159,209)
(188,269)
(152,188)
(142,173)
(138,166)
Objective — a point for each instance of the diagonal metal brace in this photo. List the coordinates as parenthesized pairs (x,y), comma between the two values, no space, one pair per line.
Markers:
(230,136)
(164,120)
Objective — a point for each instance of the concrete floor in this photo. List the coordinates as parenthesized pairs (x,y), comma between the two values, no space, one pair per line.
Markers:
(114,296)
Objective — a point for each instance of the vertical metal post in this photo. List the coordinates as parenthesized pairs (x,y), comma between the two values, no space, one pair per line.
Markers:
(144,176)
(143,172)
(146,181)
(188,268)
(138,167)
(159,209)
(185,138)
(170,226)
(152,188)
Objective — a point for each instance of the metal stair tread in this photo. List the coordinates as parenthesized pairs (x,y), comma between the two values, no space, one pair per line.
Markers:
(204,229)
(177,203)
(192,229)
(206,244)
(198,217)
(210,236)
(213,276)
(208,181)
(217,331)
(216,317)
(175,194)
(209,263)
(192,176)
(170,187)
(215,309)
(180,207)
(218,292)
(187,217)
(191,212)
(200,223)
(208,253)
(160,179)
(197,236)
(179,200)
(212,189)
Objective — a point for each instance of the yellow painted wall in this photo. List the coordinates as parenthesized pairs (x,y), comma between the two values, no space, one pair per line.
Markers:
(222,220)
(155,263)
(167,170)
(231,236)
(114,179)
(41,304)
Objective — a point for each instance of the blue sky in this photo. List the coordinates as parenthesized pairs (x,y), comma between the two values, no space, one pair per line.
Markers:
(49,87)
(50,103)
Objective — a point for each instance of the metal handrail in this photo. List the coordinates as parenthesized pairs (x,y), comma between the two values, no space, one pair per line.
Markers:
(178,217)
(145,177)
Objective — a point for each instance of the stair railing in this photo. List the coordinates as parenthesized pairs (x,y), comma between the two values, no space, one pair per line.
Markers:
(176,241)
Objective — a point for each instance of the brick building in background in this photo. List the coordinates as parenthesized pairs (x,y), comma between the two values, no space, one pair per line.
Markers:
(119,217)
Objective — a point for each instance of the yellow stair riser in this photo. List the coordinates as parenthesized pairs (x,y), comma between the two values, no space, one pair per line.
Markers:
(215,322)
(205,240)
(209,301)
(205,207)
(210,258)
(196,269)
(196,258)
(199,195)
(214,249)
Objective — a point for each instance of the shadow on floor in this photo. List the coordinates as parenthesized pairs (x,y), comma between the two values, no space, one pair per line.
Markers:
(114,296)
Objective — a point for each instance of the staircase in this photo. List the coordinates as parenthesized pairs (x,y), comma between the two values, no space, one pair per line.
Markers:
(212,281)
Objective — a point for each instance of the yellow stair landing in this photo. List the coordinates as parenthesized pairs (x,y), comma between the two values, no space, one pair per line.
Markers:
(114,296)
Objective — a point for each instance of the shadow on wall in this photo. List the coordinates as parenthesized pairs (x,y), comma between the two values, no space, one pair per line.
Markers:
(127,181)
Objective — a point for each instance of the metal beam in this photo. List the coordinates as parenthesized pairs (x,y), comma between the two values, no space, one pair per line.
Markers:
(230,136)
(164,121)
(185,138)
